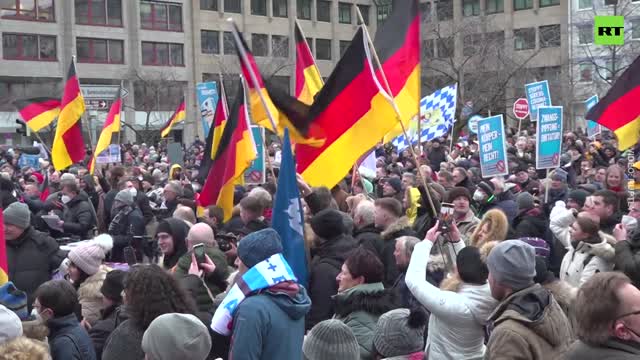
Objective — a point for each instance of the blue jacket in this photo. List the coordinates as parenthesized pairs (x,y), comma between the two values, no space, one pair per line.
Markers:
(68,340)
(270,325)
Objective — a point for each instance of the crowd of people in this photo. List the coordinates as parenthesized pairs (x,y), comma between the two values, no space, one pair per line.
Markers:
(532,265)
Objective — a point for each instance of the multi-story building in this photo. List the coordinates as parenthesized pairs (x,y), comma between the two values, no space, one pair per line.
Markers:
(158,50)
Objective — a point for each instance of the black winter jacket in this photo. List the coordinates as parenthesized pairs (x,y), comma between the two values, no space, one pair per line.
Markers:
(79,217)
(369,237)
(123,232)
(110,318)
(627,258)
(532,223)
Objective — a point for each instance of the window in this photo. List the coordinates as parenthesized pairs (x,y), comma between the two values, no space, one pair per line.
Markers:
(364,10)
(304,9)
(545,3)
(585,34)
(524,39)
(259,7)
(323,10)
(161,16)
(610,2)
(383,12)
(635,29)
(280,8)
(233,6)
(210,42)
(425,11)
(310,43)
(211,5)
(99,12)
(260,44)
(165,54)
(608,70)
(429,48)
(470,8)
(323,49)
(280,46)
(344,45)
(38,10)
(586,72)
(228,43)
(585,4)
(494,6)
(445,47)
(470,44)
(550,36)
(495,38)
(28,47)
(522,4)
(444,8)
(104,51)
(344,13)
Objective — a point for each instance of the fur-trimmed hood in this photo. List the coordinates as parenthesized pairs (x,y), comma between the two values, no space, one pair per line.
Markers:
(498,229)
(399,226)
(562,292)
(90,288)
(370,298)
(604,249)
(35,329)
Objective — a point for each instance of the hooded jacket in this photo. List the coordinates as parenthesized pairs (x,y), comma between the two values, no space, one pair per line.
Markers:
(499,228)
(178,231)
(585,260)
(270,324)
(359,308)
(90,297)
(456,324)
(400,227)
(528,324)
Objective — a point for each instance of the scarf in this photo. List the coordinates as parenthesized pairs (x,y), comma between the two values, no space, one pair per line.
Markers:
(265,274)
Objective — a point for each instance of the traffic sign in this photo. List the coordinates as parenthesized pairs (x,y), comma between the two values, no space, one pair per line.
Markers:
(102,92)
(97,104)
(473,123)
(521,108)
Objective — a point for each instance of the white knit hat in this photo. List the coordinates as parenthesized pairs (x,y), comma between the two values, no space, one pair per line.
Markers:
(88,257)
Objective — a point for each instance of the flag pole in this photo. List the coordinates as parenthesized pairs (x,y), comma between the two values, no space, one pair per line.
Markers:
(120,113)
(254,79)
(41,141)
(395,108)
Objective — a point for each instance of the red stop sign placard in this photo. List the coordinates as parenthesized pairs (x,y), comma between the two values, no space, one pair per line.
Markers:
(521,108)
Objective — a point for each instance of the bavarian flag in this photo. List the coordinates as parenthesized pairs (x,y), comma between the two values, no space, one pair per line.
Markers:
(308,79)
(111,126)
(38,112)
(619,110)
(178,116)
(68,144)
(234,155)
(353,109)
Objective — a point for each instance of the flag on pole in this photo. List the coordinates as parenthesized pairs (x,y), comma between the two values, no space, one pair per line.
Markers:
(619,110)
(288,218)
(4,265)
(308,79)
(111,126)
(38,113)
(44,187)
(68,143)
(178,116)
(234,155)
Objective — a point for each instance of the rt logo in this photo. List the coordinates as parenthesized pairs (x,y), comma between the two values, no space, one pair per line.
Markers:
(609,30)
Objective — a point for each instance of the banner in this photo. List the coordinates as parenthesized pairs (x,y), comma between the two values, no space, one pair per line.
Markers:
(175,153)
(549,137)
(30,161)
(593,128)
(110,155)
(207,99)
(493,150)
(256,173)
(537,95)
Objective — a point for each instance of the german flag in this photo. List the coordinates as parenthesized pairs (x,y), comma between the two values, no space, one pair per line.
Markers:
(308,79)
(111,126)
(68,144)
(215,134)
(4,265)
(352,108)
(38,112)
(619,110)
(234,155)
(178,116)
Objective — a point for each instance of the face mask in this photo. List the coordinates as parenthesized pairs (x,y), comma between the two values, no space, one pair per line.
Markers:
(133,192)
(65,199)
(478,195)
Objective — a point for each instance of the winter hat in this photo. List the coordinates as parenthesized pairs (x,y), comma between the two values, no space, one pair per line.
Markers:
(559,175)
(399,332)
(328,224)
(125,197)
(513,263)
(14,299)
(259,246)
(579,196)
(457,192)
(330,339)
(67,177)
(174,336)
(113,285)
(10,325)
(540,246)
(525,201)
(88,257)
(487,187)
(396,184)
(17,214)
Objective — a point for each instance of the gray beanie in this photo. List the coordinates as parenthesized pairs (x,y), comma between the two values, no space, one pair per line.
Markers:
(259,246)
(125,197)
(17,214)
(513,263)
(331,339)
(67,177)
(176,336)
(525,201)
(395,336)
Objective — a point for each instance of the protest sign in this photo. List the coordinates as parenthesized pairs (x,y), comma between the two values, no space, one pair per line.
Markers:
(256,173)
(473,123)
(537,95)
(207,99)
(175,154)
(549,137)
(29,160)
(593,128)
(110,155)
(493,150)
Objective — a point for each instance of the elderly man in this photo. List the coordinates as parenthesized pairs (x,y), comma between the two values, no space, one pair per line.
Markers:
(366,233)
(78,215)
(172,192)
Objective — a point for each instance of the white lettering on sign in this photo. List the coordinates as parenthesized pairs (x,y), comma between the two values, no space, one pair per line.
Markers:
(550,137)
(489,136)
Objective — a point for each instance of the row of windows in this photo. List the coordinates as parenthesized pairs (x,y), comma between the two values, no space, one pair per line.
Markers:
(604,71)
(444,8)
(585,32)
(89,50)
(589,4)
